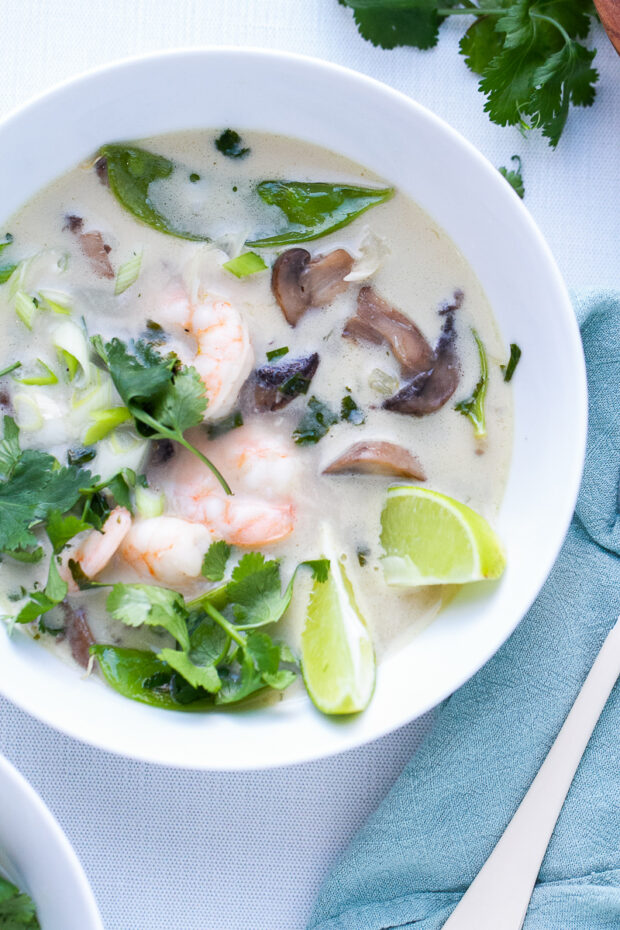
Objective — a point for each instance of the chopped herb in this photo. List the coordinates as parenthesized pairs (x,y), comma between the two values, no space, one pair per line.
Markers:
(17,910)
(514,176)
(137,604)
(46,377)
(277,353)
(362,555)
(297,384)
(127,274)
(220,427)
(315,423)
(230,144)
(5,272)
(314,208)
(164,398)
(214,563)
(10,368)
(8,239)
(194,177)
(244,265)
(513,361)
(29,556)
(155,334)
(350,411)
(42,601)
(473,407)
(81,455)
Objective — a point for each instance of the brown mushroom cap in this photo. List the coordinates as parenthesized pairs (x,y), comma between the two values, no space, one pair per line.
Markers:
(430,390)
(93,247)
(376,321)
(300,282)
(377,458)
(272,387)
(78,633)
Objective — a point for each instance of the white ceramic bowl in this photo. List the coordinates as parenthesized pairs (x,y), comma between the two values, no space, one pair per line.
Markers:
(414,150)
(36,855)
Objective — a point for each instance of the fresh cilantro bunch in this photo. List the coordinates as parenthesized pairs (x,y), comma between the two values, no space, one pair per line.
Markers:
(164,397)
(528,53)
(220,655)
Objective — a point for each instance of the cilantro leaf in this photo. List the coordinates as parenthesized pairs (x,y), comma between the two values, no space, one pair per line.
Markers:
(391,23)
(350,411)
(255,592)
(135,604)
(230,143)
(473,406)
(258,667)
(17,910)
(565,77)
(208,645)
(315,423)
(61,529)
(514,176)
(42,601)
(164,398)
(214,562)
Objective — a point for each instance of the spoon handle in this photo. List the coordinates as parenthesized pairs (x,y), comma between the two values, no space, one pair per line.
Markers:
(499,896)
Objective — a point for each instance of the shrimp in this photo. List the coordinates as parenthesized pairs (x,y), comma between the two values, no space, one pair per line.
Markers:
(93,552)
(167,549)
(254,462)
(224,355)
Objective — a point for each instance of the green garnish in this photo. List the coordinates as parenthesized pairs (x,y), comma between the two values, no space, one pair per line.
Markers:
(277,353)
(128,274)
(43,601)
(473,407)
(230,144)
(10,368)
(81,455)
(26,308)
(47,377)
(315,209)
(131,171)
(350,411)
(5,272)
(17,910)
(60,529)
(138,604)
(362,555)
(104,422)
(526,52)
(164,398)
(244,265)
(194,177)
(8,239)
(513,361)
(514,176)
(315,423)
(220,427)
(214,563)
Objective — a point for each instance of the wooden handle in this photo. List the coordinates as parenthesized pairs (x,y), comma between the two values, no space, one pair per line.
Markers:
(609,11)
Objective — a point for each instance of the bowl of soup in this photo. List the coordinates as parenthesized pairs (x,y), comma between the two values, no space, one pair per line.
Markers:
(294,409)
(41,880)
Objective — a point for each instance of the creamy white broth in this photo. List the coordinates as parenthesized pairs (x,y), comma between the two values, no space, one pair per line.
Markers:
(420,270)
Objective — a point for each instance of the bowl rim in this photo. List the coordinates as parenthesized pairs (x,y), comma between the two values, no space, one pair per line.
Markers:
(351,738)
(56,841)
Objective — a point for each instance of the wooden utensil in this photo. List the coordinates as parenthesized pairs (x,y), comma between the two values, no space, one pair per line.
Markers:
(500,894)
(609,11)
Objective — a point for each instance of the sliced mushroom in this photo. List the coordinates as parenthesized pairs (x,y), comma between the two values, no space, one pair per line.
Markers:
(377,458)
(93,246)
(78,633)
(430,390)
(272,387)
(300,282)
(376,321)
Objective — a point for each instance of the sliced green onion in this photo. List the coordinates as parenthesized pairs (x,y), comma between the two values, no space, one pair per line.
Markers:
(16,280)
(70,341)
(149,503)
(243,265)
(513,361)
(473,407)
(277,353)
(127,274)
(27,413)
(382,383)
(56,301)
(25,308)
(7,241)
(105,422)
(10,368)
(48,376)
(6,272)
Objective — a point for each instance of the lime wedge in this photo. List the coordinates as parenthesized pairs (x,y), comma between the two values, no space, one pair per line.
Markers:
(337,655)
(429,538)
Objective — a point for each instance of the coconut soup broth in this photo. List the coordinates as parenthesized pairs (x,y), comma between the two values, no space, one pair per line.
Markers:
(418,270)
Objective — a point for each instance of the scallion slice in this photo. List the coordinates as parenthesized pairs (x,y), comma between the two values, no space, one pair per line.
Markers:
(105,422)
(243,265)
(128,274)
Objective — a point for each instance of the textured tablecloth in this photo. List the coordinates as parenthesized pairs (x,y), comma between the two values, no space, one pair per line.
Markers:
(173,850)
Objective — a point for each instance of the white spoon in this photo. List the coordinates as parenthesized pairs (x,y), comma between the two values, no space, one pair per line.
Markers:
(499,896)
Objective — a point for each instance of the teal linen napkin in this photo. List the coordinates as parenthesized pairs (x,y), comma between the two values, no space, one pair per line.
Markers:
(418,853)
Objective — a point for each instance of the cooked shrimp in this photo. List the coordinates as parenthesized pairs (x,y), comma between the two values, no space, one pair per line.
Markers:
(224,355)
(167,549)
(96,548)
(243,520)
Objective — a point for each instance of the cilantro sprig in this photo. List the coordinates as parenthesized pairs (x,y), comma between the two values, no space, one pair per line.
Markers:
(16,908)
(528,53)
(164,397)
